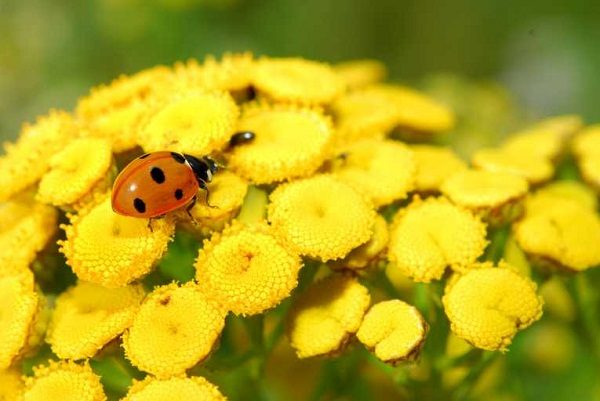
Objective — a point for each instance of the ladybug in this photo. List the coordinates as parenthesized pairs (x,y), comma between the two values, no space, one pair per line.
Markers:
(160,182)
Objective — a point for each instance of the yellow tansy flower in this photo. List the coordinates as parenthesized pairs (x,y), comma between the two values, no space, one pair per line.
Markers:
(360,73)
(321,217)
(563,233)
(174,389)
(87,316)
(394,330)
(18,306)
(564,126)
(77,171)
(434,164)
(112,250)
(586,146)
(175,328)
(430,235)
(369,252)
(562,191)
(227,193)
(534,169)
(487,306)
(11,385)
(290,142)
(297,80)
(381,170)
(192,121)
(323,318)
(28,159)
(247,269)
(421,113)
(61,381)
(26,228)
(494,195)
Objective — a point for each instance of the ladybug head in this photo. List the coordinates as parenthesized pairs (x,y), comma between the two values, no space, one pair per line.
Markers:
(204,167)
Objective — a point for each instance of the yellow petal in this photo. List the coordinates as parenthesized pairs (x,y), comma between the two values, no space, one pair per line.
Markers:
(394,330)
(61,381)
(174,389)
(290,142)
(175,328)
(113,250)
(247,269)
(321,217)
(487,306)
(323,317)
(428,236)
(87,316)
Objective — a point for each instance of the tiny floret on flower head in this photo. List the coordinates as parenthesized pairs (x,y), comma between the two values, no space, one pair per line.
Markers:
(360,73)
(76,171)
(434,164)
(487,305)
(192,121)
(297,80)
(63,381)
(321,217)
(112,250)
(174,389)
(381,170)
(324,317)
(430,235)
(26,228)
(11,384)
(562,232)
(533,168)
(247,269)
(488,193)
(28,159)
(394,330)
(175,328)
(290,142)
(18,306)
(87,316)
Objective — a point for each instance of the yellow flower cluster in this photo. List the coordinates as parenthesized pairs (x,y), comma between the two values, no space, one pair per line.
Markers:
(326,186)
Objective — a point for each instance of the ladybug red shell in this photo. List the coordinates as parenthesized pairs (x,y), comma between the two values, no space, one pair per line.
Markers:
(157,183)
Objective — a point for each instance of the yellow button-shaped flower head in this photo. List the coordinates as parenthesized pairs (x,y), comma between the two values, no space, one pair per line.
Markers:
(491,194)
(535,170)
(563,233)
(26,228)
(434,165)
(381,170)
(87,316)
(174,389)
(28,159)
(321,217)
(297,80)
(175,328)
(247,269)
(227,192)
(542,143)
(487,306)
(18,306)
(421,113)
(11,385)
(61,381)
(323,318)
(586,147)
(77,172)
(360,73)
(290,142)
(430,235)
(394,330)
(562,191)
(193,121)
(112,250)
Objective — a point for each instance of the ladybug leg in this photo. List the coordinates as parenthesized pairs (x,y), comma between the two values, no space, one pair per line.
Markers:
(150,225)
(205,187)
(189,207)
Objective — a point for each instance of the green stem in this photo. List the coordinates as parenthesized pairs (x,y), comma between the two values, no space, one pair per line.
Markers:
(463,389)
(115,375)
(587,301)
(498,238)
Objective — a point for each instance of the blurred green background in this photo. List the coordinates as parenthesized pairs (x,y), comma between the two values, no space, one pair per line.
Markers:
(546,53)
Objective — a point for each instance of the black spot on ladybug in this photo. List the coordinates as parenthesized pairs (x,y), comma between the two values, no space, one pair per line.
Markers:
(239,138)
(178,157)
(157,175)
(139,205)
(144,156)
(178,194)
